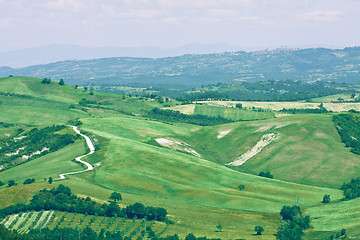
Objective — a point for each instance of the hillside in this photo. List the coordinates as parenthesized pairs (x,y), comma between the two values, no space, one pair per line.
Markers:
(340,65)
(179,166)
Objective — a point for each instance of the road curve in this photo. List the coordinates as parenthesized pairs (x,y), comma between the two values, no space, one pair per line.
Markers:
(92,150)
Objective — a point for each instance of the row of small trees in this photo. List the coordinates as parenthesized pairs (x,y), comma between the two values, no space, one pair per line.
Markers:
(48,81)
(62,199)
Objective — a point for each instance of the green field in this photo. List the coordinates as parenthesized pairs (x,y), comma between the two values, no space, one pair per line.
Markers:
(232,113)
(198,192)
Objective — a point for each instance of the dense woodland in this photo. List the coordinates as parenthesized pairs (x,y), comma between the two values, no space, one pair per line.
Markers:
(348,127)
(266,91)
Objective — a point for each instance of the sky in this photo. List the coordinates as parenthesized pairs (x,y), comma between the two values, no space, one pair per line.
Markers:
(173,23)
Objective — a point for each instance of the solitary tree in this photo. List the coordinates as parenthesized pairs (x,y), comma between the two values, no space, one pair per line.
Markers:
(11,183)
(115,196)
(238,105)
(258,230)
(326,198)
(61,82)
(219,227)
(241,187)
(50,180)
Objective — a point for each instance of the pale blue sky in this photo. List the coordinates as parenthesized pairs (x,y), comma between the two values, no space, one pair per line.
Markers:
(172,23)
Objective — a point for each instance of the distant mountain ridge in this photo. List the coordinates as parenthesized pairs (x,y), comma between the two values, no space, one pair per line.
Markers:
(61,52)
(313,64)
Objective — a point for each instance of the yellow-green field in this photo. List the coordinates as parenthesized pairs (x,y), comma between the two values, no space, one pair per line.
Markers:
(276,106)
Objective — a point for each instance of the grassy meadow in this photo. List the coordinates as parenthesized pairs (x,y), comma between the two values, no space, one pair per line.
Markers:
(198,193)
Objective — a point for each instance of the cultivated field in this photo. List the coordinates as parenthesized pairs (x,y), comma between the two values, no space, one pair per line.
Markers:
(23,222)
(335,107)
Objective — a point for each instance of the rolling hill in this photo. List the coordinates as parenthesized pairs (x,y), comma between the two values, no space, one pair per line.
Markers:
(192,70)
(198,191)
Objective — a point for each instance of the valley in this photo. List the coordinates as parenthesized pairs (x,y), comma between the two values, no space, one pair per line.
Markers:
(180,162)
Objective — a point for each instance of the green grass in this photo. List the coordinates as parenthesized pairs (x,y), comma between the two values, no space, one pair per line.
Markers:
(232,113)
(198,193)
(47,166)
(308,151)
(151,170)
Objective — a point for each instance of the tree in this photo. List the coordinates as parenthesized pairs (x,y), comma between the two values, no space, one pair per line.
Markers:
(219,227)
(238,105)
(115,196)
(241,187)
(50,180)
(46,81)
(343,232)
(289,213)
(29,181)
(91,93)
(326,198)
(76,86)
(258,230)
(266,174)
(61,82)
(289,231)
(1,183)
(190,236)
(11,183)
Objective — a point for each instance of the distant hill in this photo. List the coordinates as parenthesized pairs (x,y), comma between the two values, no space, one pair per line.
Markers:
(313,64)
(61,52)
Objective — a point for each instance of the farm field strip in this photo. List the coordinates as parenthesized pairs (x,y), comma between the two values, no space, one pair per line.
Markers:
(42,219)
(129,227)
(21,219)
(277,106)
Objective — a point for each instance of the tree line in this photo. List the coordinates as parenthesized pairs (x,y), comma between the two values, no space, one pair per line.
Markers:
(175,116)
(348,127)
(269,91)
(62,199)
(7,94)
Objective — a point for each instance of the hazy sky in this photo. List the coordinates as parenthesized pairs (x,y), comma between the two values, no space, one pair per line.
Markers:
(172,23)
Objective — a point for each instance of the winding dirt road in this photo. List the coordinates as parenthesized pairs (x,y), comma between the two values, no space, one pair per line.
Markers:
(92,150)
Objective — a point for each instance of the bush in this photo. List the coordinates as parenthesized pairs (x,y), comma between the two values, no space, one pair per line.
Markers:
(46,81)
(29,181)
(11,183)
(326,198)
(266,174)
(258,230)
